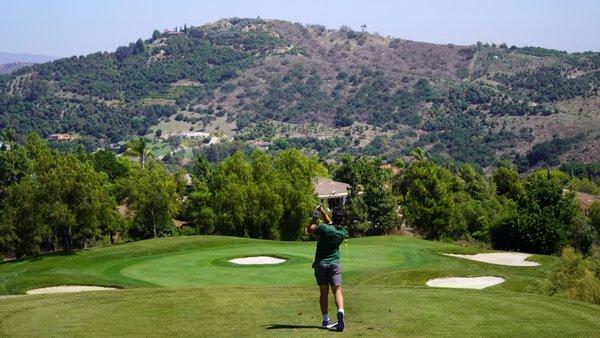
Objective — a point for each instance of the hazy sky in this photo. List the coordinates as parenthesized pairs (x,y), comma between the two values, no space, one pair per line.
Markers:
(74,27)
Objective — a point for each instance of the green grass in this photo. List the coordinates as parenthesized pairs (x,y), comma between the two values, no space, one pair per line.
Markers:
(185,286)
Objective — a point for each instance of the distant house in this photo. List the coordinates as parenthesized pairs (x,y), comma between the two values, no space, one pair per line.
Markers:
(331,193)
(62,137)
(171,33)
(585,201)
(193,134)
(262,145)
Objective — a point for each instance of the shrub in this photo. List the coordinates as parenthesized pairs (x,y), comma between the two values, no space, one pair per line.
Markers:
(576,277)
(187,231)
(529,232)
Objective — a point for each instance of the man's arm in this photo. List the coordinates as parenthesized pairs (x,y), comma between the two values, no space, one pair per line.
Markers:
(325,216)
(312,226)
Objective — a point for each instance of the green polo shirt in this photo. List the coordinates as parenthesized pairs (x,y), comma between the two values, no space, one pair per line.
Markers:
(328,244)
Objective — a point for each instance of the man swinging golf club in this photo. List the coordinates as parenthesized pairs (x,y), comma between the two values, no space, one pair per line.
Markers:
(328,270)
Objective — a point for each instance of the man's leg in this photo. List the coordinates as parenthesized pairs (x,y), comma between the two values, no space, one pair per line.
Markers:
(323,298)
(339,302)
(324,302)
(337,295)
(336,289)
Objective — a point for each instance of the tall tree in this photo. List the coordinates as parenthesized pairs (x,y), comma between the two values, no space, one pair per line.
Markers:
(151,193)
(429,205)
(138,148)
(296,174)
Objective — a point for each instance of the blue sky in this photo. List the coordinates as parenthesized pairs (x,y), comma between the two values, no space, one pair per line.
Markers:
(75,27)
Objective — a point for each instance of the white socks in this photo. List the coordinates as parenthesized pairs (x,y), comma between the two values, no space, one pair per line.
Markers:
(341,310)
(326,317)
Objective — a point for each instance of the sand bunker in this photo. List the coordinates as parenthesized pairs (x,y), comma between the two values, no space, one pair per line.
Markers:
(500,258)
(67,289)
(257,260)
(465,282)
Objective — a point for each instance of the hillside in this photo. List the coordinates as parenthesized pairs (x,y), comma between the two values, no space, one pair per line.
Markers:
(320,89)
(7,68)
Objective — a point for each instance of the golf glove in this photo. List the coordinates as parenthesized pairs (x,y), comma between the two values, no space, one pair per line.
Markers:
(316,213)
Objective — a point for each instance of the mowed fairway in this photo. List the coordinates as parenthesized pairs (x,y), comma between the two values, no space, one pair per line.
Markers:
(185,286)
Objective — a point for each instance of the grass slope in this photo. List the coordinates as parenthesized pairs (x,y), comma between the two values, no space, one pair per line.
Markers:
(184,286)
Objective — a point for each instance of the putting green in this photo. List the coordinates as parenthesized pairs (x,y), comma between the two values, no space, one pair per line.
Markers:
(186,286)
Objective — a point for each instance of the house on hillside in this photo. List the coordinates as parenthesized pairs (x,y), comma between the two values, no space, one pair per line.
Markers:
(585,201)
(331,193)
(171,33)
(62,137)
(193,134)
(262,145)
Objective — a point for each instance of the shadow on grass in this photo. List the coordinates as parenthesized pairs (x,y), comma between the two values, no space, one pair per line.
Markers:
(38,257)
(290,326)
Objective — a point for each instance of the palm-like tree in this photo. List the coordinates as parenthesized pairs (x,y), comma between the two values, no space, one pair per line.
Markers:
(138,148)
(418,154)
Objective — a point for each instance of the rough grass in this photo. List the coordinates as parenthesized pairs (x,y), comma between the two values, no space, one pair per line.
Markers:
(185,286)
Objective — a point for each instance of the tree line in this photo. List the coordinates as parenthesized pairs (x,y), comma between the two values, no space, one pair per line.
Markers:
(54,201)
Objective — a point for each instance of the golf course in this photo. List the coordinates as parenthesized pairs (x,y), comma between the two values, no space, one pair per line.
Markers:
(187,286)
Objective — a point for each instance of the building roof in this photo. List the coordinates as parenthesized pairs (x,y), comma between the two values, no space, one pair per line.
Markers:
(327,188)
(586,199)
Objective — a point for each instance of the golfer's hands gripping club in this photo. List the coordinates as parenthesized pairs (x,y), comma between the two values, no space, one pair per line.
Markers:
(324,215)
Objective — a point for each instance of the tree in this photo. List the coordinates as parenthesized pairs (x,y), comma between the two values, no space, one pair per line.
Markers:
(138,148)
(585,185)
(357,216)
(377,191)
(140,47)
(418,154)
(14,165)
(265,202)
(296,173)
(108,163)
(62,207)
(231,201)
(202,170)
(151,193)
(507,182)
(156,34)
(595,216)
(544,220)
(429,204)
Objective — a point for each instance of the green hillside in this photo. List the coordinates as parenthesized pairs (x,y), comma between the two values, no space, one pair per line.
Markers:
(323,90)
(185,286)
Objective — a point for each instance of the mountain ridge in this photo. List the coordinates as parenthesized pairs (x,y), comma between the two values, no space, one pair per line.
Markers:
(6,57)
(322,89)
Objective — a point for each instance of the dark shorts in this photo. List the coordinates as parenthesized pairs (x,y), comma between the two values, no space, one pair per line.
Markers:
(326,273)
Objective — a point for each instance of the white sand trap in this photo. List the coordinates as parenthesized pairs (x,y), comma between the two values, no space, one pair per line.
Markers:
(67,289)
(500,258)
(257,260)
(465,282)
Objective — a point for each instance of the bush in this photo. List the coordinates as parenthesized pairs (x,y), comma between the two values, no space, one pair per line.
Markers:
(576,277)
(187,231)
(529,232)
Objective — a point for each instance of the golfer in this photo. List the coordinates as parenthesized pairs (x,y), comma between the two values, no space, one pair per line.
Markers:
(328,270)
